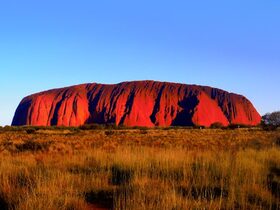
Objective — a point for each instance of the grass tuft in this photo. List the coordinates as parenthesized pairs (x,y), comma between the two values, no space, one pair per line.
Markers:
(33,146)
(101,198)
(121,175)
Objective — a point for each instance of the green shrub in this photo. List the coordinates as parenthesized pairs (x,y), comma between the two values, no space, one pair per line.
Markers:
(30,130)
(12,128)
(33,146)
(216,125)
(235,126)
(91,127)
(269,127)
(109,133)
(199,127)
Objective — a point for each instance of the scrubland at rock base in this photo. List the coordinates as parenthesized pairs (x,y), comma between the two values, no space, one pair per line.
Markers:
(140,168)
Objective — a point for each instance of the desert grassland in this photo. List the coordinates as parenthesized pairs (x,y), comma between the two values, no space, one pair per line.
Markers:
(140,169)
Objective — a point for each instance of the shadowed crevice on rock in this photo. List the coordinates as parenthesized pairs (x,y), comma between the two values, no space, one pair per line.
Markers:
(184,117)
(55,117)
(93,99)
(128,107)
(22,110)
(156,106)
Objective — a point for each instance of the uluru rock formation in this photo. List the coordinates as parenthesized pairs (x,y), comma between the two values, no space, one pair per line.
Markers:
(138,103)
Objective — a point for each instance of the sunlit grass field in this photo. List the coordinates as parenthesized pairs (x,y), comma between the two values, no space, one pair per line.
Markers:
(163,168)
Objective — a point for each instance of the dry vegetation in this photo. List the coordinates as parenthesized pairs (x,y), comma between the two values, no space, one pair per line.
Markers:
(139,169)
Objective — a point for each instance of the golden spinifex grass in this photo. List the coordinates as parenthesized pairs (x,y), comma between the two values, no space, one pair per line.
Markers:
(140,169)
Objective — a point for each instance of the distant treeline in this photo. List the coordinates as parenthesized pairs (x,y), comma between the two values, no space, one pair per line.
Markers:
(217,125)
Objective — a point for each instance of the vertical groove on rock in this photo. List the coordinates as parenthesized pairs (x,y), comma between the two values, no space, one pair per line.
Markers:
(156,106)
(128,106)
(55,116)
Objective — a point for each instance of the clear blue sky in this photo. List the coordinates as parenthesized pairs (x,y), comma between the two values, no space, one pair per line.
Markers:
(233,45)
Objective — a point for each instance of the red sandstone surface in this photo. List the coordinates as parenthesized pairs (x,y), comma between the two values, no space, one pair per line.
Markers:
(139,103)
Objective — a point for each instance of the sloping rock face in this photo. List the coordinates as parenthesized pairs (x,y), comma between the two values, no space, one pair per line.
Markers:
(139,103)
